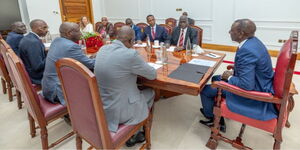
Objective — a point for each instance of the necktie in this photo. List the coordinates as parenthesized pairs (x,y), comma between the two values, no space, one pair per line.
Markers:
(181,38)
(153,33)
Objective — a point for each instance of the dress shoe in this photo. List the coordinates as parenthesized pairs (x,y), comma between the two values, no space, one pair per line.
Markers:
(202,112)
(137,138)
(210,123)
(67,120)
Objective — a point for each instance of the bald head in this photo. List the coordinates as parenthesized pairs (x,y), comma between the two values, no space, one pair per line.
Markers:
(18,27)
(126,36)
(70,30)
(39,27)
(242,29)
(246,25)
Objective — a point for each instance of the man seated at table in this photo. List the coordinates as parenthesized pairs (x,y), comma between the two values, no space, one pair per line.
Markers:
(15,36)
(154,31)
(62,47)
(32,50)
(252,71)
(105,28)
(116,69)
(182,33)
(137,30)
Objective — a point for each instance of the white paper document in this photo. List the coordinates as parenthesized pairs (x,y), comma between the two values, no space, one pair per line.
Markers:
(140,45)
(171,49)
(155,66)
(202,62)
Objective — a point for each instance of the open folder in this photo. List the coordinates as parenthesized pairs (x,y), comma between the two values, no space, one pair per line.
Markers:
(189,72)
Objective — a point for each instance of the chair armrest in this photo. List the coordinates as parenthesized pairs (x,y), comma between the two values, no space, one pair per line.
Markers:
(229,67)
(259,96)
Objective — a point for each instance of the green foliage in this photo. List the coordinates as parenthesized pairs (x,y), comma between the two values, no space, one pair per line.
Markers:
(87,35)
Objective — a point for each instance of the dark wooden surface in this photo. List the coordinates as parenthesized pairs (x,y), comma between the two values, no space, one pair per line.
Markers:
(163,82)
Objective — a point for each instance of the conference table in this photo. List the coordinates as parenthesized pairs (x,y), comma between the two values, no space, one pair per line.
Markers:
(175,59)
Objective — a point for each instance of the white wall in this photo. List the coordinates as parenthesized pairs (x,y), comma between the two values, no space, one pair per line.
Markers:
(274,18)
(9,13)
(46,10)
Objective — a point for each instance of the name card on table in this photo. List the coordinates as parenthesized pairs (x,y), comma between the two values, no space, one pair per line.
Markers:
(202,62)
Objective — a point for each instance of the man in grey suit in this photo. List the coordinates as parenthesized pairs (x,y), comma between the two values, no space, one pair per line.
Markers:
(116,69)
(182,33)
(61,47)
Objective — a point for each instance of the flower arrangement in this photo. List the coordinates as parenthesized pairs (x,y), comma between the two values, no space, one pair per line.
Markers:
(93,41)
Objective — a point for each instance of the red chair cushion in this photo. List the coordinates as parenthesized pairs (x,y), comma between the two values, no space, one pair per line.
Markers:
(122,132)
(268,126)
(50,109)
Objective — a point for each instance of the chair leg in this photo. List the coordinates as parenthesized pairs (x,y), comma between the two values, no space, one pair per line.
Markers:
(237,143)
(9,88)
(3,82)
(19,100)
(44,138)
(78,142)
(212,142)
(276,145)
(32,126)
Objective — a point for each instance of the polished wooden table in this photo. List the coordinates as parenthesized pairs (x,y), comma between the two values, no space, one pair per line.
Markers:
(163,82)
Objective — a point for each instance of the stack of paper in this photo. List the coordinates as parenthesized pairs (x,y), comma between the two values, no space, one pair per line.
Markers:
(202,62)
(140,45)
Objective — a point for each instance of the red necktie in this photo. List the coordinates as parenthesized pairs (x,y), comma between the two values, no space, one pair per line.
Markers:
(153,33)
(181,38)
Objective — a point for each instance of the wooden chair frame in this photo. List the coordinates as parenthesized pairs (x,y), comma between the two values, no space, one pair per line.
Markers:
(34,111)
(99,111)
(283,102)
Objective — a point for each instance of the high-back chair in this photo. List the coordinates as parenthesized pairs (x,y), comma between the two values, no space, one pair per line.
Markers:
(281,83)
(142,25)
(97,24)
(86,111)
(200,34)
(39,110)
(168,28)
(7,78)
(117,26)
(171,22)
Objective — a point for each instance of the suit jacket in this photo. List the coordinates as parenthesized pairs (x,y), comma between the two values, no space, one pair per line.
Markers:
(252,71)
(160,34)
(60,48)
(190,33)
(13,39)
(33,55)
(109,29)
(116,70)
(137,31)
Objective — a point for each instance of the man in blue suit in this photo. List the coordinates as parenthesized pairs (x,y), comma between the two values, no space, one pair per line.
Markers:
(154,31)
(32,50)
(61,47)
(13,38)
(252,71)
(137,30)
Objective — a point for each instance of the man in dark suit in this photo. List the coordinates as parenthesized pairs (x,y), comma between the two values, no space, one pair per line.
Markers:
(252,71)
(61,47)
(182,33)
(13,38)
(32,50)
(137,30)
(154,31)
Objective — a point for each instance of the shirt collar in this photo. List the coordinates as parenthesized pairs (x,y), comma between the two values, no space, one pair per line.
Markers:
(35,34)
(242,43)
